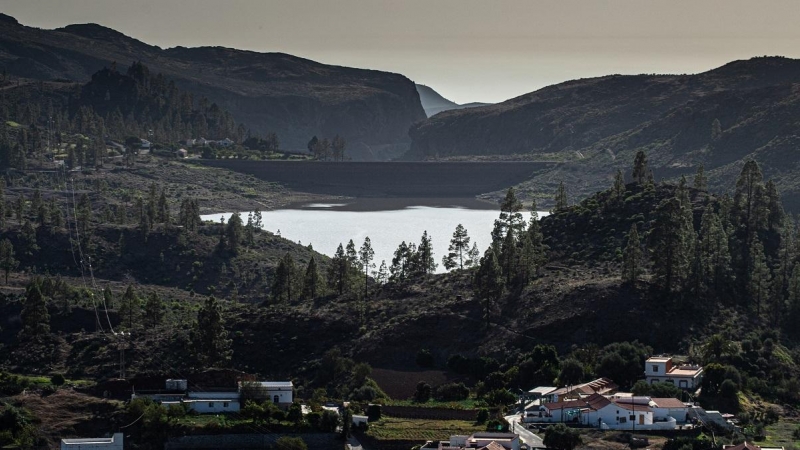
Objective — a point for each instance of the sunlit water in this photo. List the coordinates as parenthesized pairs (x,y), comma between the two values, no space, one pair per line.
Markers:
(325,226)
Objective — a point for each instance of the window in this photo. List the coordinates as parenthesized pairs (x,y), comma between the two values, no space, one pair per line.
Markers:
(623,420)
(276,399)
(224,404)
(210,404)
(632,418)
(683,383)
(655,368)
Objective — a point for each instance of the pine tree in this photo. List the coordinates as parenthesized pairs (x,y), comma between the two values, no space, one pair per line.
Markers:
(700,180)
(257,220)
(424,255)
(383,273)
(668,247)
(488,283)
(458,249)
(510,217)
(561,198)
(7,260)
(163,208)
(366,254)
(619,186)
(130,308)
(749,203)
(35,318)
(286,282)
(352,257)
(153,310)
(714,252)
(537,240)
(759,280)
(234,233)
(2,202)
(400,263)
(338,275)
(775,215)
(793,316)
(640,170)
(474,256)
(212,347)
(509,256)
(312,281)
(632,257)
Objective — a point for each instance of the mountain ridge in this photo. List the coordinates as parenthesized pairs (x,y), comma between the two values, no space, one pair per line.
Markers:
(433,103)
(596,126)
(269,92)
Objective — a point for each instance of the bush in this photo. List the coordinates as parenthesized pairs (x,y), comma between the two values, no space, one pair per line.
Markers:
(57,379)
(483,416)
(561,437)
(496,425)
(328,421)
(374,412)
(728,389)
(500,397)
(365,394)
(451,392)
(423,392)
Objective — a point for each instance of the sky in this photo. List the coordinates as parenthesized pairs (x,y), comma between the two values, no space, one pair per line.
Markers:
(467,50)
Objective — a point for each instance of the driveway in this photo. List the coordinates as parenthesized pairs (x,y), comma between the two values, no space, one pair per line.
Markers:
(525,435)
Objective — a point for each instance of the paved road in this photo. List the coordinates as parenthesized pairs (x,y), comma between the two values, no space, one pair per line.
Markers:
(525,435)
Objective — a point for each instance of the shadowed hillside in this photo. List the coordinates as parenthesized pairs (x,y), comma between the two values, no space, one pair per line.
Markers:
(268,92)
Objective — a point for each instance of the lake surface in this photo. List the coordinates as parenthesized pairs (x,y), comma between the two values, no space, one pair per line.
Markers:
(387,222)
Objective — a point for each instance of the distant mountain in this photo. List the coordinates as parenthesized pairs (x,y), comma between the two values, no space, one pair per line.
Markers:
(294,97)
(433,103)
(597,125)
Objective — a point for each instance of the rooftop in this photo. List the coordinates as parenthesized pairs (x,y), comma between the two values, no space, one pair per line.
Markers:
(667,403)
(653,359)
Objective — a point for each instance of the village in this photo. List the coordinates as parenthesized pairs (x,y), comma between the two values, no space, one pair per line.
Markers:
(597,404)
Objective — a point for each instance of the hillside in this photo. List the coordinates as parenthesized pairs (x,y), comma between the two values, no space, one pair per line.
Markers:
(268,92)
(433,103)
(745,109)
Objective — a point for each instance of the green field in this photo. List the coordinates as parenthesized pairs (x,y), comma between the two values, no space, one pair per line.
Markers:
(421,429)
(780,434)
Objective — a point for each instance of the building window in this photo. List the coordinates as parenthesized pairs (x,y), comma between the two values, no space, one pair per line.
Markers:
(623,420)
(210,404)
(683,383)
(276,399)
(655,369)
(632,418)
(224,404)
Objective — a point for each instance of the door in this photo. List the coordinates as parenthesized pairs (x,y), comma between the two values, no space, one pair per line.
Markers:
(641,419)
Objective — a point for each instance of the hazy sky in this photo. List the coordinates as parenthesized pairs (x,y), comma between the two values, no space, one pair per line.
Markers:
(467,50)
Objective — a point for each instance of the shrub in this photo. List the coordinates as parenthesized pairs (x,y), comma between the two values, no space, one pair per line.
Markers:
(57,379)
(496,425)
(500,397)
(374,412)
(561,437)
(328,421)
(451,392)
(483,416)
(728,389)
(423,392)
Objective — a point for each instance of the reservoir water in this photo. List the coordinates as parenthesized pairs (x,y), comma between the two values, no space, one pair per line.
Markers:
(387,222)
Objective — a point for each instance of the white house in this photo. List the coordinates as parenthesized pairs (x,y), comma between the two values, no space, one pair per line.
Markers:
(212,402)
(660,369)
(144,144)
(112,443)
(360,420)
(669,407)
(509,441)
(225,142)
(279,392)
